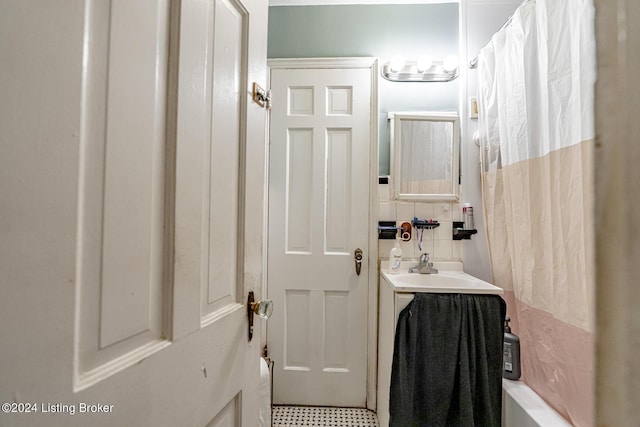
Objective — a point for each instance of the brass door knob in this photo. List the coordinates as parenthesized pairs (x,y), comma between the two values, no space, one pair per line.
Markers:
(357,256)
(264,309)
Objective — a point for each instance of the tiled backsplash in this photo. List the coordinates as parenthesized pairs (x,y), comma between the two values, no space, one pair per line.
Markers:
(438,243)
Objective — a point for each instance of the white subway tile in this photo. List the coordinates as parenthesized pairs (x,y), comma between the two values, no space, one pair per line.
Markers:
(442,249)
(424,211)
(383,192)
(427,242)
(445,231)
(457,212)
(386,211)
(384,247)
(407,250)
(457,250)
(405,211)
(443,211)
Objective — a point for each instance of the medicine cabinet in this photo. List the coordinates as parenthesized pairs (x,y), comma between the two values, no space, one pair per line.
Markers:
(425,159)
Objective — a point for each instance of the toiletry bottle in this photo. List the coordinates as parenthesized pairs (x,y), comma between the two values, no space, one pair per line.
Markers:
(467,214)
(395,257)
(511,353)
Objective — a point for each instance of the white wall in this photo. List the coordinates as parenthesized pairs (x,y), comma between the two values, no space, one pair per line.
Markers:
(479,20)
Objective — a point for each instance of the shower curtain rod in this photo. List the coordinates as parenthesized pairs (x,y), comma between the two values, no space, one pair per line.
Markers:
(473,64)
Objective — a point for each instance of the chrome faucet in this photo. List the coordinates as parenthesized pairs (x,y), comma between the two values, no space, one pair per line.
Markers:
(424,266)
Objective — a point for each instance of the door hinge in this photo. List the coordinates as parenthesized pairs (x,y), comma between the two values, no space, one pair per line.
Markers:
(261,96)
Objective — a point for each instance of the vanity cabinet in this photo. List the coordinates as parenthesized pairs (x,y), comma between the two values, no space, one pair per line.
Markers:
(391,304)
(396,292)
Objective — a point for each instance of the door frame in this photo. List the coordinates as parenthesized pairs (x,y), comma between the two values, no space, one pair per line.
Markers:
(370,63)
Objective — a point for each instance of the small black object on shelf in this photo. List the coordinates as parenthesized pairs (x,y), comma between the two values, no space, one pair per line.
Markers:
(459,233)
(429,224)
(387,230)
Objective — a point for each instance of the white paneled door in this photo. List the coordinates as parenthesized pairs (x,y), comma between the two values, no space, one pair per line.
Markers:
(318,218)
(132,176)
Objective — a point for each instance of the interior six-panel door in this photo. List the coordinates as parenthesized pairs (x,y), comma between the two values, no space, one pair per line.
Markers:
(186,200)
(141,159)
(318,218)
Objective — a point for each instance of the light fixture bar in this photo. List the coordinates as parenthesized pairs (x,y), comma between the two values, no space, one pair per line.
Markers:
(409,73)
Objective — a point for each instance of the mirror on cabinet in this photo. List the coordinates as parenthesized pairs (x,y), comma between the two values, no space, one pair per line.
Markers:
(424,155)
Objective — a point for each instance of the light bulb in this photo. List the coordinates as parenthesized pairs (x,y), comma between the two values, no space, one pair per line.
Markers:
(424,63)
(397,63)
(450,63)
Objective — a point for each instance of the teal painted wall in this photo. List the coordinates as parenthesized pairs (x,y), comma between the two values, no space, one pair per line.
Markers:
(374,30)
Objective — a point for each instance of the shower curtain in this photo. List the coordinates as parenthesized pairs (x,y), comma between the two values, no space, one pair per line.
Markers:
(536,79)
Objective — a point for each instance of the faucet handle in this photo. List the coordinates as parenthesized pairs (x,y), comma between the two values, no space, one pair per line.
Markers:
(424,257)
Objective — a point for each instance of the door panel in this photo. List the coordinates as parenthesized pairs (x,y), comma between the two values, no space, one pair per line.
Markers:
(122,179)
(135,166)
(338,191)
(318,216)
(299,170)
(229,416)
(224,141)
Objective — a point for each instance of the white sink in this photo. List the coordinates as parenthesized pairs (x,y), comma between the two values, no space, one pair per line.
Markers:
(452,280)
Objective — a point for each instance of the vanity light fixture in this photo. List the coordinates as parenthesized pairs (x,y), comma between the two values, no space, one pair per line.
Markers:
(397,63)
(423,63)
(424,69)
(450,63)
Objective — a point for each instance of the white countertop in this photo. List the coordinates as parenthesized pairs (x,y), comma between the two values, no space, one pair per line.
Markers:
(449,279)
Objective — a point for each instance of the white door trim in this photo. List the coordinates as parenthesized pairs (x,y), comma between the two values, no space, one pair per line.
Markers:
(371,64)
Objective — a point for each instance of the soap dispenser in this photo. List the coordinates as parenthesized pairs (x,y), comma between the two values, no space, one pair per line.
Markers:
(395,257)
(511,353)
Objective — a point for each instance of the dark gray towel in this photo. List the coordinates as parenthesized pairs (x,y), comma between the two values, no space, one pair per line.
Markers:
(447,362)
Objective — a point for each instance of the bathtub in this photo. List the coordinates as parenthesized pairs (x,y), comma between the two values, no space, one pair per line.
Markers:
(522,407)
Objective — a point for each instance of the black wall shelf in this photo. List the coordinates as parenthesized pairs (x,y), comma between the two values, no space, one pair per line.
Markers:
(428,224)
(387,230)
(459,233)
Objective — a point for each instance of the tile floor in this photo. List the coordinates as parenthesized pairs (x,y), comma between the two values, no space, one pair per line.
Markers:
(299,416)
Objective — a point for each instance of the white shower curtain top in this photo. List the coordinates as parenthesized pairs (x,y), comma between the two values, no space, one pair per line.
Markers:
(550,69)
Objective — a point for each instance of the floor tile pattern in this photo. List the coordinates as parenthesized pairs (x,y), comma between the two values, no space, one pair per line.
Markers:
(307,416)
